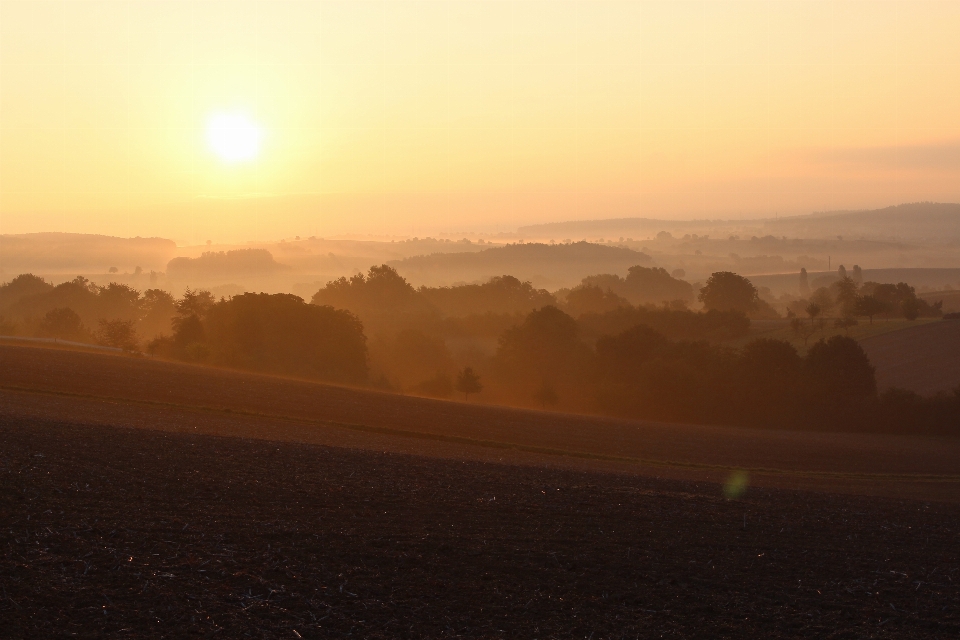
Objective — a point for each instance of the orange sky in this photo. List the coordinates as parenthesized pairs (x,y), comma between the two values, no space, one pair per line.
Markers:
(418,117)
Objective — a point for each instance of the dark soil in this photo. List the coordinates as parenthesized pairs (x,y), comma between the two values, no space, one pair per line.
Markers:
(136,533)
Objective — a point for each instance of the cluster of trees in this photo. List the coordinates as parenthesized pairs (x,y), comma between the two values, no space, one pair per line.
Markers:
(271,333)
(115,315)
(420,338)
(849,297)
(642,285)
(517,344)
(277,333)
(641,373)
(225,264)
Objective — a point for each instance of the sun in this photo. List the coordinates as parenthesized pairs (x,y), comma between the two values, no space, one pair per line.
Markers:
(234,137)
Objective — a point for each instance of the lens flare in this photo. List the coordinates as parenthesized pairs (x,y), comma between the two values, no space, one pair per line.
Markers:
(736,485)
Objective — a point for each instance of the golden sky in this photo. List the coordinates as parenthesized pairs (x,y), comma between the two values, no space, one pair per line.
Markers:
(391,116)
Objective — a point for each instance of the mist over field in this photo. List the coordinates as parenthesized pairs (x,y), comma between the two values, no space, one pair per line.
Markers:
(533,317)
(588,319)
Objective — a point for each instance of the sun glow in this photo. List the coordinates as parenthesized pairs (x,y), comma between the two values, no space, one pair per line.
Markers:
(234,137)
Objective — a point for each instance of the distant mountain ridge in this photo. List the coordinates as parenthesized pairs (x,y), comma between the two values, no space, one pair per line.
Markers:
(919,221)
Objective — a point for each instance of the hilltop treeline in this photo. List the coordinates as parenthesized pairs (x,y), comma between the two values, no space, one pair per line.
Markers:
(115,315)
(589,349)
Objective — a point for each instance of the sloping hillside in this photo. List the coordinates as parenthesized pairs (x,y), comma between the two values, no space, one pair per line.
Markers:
(924,358)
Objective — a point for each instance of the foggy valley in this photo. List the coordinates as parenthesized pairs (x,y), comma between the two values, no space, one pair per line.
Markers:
(594,319)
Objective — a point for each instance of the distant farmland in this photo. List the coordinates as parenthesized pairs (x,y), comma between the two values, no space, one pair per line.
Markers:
(924,358)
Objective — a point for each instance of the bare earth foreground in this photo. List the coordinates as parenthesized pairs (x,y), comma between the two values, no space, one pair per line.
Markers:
(146,499)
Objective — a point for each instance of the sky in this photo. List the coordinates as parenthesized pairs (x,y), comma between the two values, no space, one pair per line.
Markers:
(413,118)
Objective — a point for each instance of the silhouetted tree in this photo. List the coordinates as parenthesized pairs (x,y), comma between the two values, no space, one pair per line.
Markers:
(868,306)
(546,395)
(846,295)
(857,274)
(901,299)
(654,284)
(25,285)
(280,333)
(118,301)
(910,308)
(187,330)
(63,323)
(839,373)
(158,309)
(642,374)
(824,299)
(195,303)
(592,299)
(468,382)
(382,299)
(727,291)
(769,378)
(545,346)
(804,282)
(117,333)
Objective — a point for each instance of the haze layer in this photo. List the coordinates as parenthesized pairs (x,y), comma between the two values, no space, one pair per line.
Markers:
(404,117)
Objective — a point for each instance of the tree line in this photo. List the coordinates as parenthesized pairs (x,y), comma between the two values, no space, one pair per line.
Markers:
(506,339)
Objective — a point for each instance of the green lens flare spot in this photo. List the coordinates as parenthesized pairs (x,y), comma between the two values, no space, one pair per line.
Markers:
(736,485)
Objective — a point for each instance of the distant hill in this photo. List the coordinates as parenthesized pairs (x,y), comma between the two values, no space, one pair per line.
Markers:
(922,221)
(80,252)
(545,265)
(225,266)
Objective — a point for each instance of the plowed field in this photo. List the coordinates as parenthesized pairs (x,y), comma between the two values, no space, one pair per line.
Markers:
(144,499)
(132,533)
